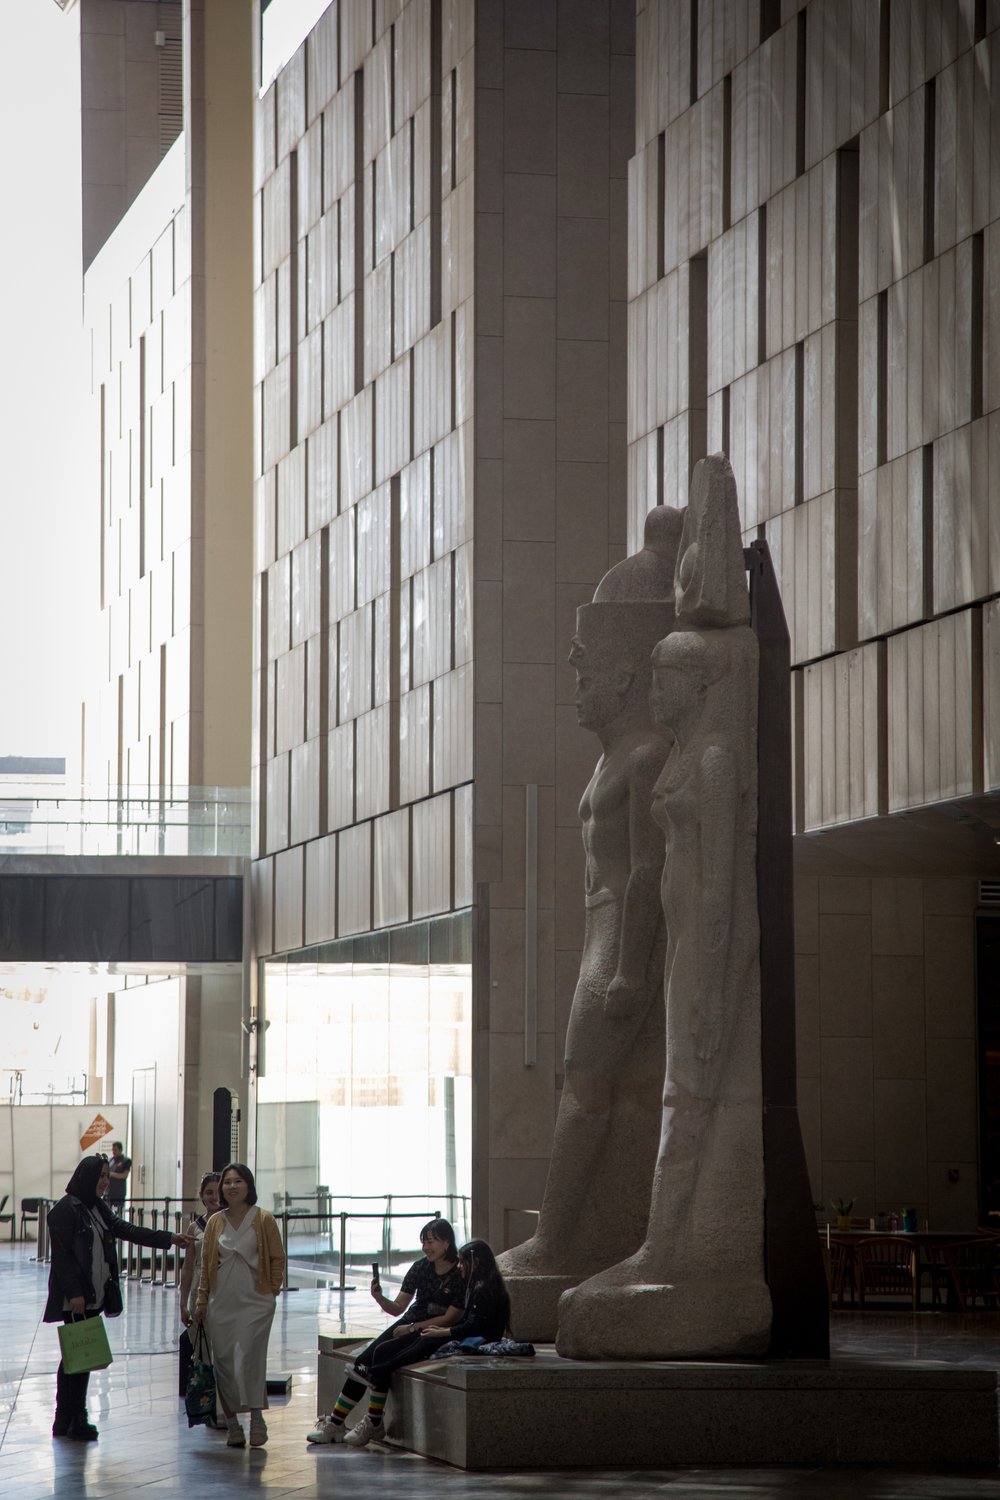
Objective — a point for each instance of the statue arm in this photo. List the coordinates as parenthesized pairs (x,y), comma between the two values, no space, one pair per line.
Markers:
(719,800)
(641,908)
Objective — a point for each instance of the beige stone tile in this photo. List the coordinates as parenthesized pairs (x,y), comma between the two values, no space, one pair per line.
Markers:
(848,1103)
(453,728)
(390,884)
(529,235)
(303,817)
(953,1205)
(529,602)
(340,761)
(462,859)
(570,887)
(900,1142)
(489,477)
(528,723)
(532,24)
(288,872)
(951,1099)
(898,1016)
(950,897)
(529,111)
(845,893)
(583,279)
(515,1184)
(529,481)
(897,916)
(584,146)
(522,1100)
(354,872)
(262,883)
(507,970)
(488,853)
(582,401)
(845,976)
(584,48)
(488,652)
(488,763)
(490,398)
(949,975)
(414,744)
(529,358)
(807,1027)
(431,856)
(806,914)
(320,899)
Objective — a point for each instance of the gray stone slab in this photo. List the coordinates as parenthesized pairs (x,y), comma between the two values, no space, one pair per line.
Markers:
(549,1413)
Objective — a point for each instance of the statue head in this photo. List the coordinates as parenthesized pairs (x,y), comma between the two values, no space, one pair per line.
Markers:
(647,576)
(704,679)
(711,584)
(611,654)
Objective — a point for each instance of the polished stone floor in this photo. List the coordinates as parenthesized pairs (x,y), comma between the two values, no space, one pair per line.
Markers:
(146,1449)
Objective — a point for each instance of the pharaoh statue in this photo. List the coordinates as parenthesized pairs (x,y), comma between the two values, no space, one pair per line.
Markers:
(600,1177)
(696,1286)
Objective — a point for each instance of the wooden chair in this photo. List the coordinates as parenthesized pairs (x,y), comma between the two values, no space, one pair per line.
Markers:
(887,1267)
(10,1218)
(841,1270)
(972,1269)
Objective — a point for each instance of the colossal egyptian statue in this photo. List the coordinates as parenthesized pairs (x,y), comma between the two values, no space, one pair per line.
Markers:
(696,1286)
(597,1195)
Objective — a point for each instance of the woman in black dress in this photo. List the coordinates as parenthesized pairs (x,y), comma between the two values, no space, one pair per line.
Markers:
(83,1276)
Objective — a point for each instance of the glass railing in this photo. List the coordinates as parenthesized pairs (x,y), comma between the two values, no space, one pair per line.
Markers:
(50,817)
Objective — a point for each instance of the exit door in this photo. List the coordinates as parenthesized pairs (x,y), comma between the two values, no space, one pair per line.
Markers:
(143,1132)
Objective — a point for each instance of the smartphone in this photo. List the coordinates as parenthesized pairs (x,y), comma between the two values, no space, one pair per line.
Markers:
(375,1276)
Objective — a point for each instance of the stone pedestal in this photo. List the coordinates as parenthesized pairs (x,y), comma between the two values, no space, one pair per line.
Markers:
(554,1413)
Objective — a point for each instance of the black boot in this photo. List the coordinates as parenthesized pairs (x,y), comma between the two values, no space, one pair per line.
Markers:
(61,1424)
(82,1430)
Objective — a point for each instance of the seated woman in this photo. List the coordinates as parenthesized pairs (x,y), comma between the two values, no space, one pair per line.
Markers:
(485,1315)
(436,1291)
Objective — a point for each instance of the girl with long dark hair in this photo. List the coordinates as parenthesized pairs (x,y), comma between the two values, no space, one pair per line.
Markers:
(434,1287)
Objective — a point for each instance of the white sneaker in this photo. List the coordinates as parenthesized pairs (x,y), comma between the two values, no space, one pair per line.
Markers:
(258,1432)
(361,1436)
(236,1438)
(326,1431)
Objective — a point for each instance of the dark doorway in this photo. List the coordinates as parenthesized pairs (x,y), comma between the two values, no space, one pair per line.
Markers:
(988,1047)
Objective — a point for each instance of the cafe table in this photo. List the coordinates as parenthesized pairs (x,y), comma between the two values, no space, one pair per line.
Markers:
(841,1246)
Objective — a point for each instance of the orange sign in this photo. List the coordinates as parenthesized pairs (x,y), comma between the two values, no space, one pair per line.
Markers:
(97,1128)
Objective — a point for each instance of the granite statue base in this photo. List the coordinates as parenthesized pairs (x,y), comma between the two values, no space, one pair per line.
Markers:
(535,1300)
(552,1413)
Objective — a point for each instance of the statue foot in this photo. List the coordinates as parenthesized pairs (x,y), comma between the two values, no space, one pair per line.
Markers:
(536,1279)
(711,1318)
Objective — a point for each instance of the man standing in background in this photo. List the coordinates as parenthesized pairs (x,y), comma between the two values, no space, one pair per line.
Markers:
(118,1167)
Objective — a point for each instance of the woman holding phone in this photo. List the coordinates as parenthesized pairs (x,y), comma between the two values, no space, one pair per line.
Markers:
(432,1295)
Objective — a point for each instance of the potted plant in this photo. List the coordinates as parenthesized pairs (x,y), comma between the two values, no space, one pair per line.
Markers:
(842,1208)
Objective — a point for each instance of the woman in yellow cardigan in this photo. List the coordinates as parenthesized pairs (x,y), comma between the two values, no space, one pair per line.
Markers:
(242,1268)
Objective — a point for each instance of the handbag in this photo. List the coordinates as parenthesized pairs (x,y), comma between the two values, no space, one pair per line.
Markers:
(199,1398)
(113,1304)
(84,1345)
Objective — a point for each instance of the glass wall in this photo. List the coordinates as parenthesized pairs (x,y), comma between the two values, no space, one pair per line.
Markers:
(364,1094)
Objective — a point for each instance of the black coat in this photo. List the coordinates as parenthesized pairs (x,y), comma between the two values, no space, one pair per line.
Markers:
(71,1240)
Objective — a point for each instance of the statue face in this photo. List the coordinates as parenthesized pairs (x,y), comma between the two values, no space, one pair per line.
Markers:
(600,694)
(675,697)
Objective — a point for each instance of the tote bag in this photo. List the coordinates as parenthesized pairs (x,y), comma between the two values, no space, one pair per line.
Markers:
(199,1398)
(84,1346)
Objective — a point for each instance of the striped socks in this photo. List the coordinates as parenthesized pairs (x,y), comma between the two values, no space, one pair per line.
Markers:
(376,1404)
(345,1405)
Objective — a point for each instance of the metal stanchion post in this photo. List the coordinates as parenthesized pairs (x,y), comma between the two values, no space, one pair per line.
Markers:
(342,1284)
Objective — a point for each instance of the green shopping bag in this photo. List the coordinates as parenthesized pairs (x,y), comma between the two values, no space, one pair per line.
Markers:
(84,1346)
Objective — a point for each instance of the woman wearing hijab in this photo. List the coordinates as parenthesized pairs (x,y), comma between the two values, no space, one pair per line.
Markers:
(83,1276)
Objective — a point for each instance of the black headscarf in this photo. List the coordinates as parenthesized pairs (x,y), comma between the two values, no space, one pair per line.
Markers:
(83,1183)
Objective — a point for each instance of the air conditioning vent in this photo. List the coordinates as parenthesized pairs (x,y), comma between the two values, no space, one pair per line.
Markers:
(989,893)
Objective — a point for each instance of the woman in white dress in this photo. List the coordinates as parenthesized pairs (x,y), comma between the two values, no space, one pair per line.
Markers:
(242,1269)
